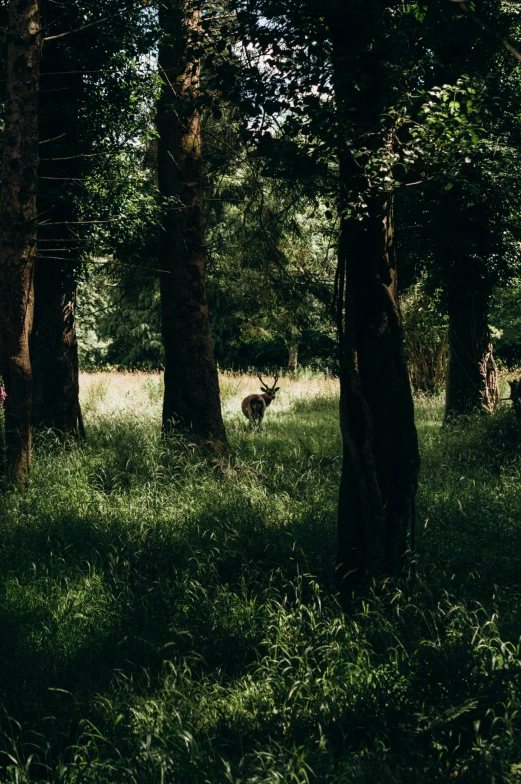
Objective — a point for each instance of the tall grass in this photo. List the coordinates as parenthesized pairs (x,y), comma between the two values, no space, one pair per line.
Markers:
(171,617)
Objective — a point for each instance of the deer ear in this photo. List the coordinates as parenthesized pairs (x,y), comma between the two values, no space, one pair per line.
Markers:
(276,389)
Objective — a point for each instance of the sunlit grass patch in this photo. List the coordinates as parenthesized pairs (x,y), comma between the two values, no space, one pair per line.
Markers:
(107,394)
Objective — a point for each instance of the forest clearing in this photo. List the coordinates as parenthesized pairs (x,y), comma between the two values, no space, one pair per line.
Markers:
(171,617)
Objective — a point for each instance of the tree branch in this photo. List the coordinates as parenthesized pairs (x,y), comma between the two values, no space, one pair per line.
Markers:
(477,21)
(77,30)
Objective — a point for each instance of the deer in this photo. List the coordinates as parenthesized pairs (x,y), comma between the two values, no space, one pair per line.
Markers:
(254,406)
(515,397)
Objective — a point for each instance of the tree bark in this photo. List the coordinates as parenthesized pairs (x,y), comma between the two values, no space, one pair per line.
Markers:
(18,229)
(191,382)
(471,374)
(492,380)
(293,352)
(54,346)
(54,352)
(381,460)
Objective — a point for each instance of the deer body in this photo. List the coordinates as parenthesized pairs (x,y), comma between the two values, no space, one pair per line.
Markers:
(254,406)
(515,397)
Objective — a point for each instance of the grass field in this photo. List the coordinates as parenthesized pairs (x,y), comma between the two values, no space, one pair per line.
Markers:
(169,617)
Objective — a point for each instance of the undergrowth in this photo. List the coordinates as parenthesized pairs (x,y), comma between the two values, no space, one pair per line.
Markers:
(168,617)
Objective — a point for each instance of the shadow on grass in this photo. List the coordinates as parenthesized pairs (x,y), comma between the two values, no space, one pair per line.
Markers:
(469,507)
(142,551)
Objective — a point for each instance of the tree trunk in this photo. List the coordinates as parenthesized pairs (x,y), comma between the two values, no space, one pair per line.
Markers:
(492,380)
(381,460)
(54,347)
(293,352)
(471,374)
(191,381)
(18,229)
(54,351)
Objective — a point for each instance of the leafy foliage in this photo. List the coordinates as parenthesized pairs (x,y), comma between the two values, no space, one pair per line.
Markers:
(271,268)
(506,324)
(119,321)
(425,335)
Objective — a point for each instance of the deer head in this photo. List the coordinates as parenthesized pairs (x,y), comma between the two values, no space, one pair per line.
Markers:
(269,391)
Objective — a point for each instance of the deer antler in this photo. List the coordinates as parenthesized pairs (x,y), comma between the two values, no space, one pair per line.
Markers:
(262,382)
(275,381)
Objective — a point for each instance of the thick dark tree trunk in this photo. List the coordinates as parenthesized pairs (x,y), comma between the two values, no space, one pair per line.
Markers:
(191,381)
(471,374)
(18,229)
(54,351)
(381,460)
(54,347)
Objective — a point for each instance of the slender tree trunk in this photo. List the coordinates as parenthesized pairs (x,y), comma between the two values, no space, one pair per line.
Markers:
(492,379)
(191,381)
(293,352)
(472,373)
(18,229)
(54,346)
(381,460)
